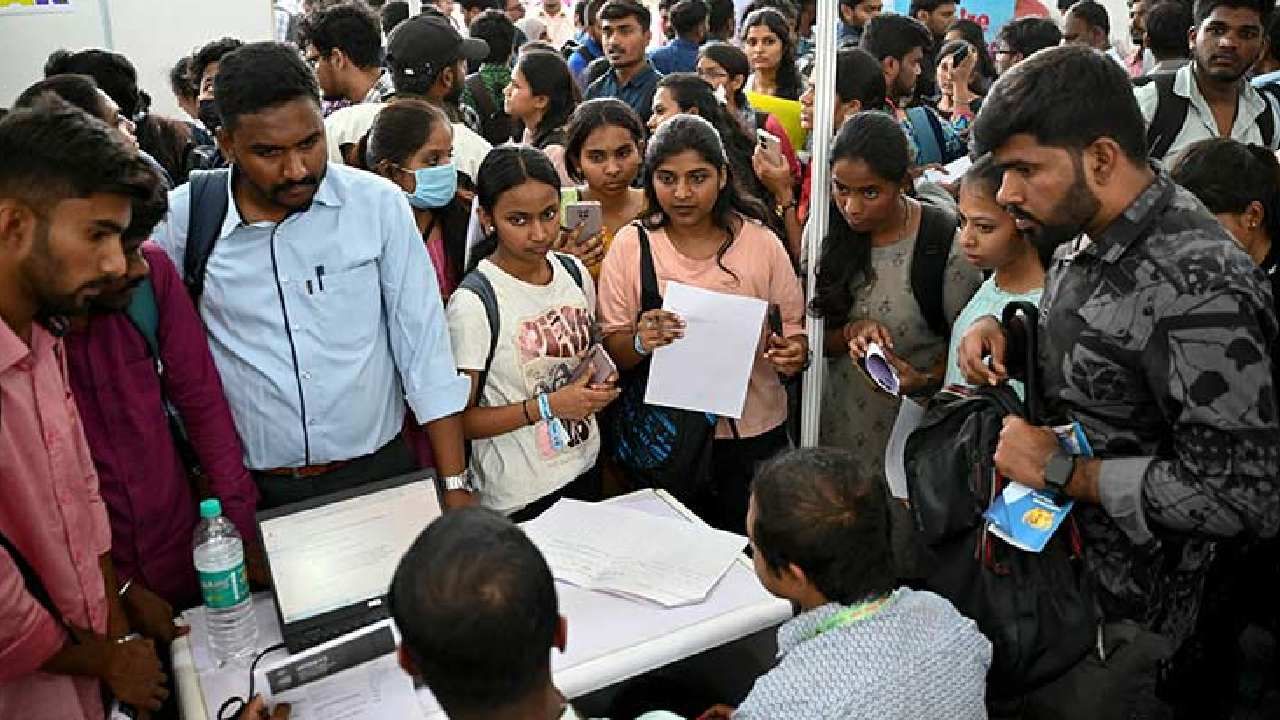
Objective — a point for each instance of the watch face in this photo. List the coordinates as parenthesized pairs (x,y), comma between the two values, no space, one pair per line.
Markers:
(1058,472)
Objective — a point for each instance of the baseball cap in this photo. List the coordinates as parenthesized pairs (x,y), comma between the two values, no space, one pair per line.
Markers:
(427,44)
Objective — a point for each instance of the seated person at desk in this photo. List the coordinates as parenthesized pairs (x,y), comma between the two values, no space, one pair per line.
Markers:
(820,538)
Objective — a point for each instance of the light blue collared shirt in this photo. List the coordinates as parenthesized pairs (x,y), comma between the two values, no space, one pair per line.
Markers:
(323,325)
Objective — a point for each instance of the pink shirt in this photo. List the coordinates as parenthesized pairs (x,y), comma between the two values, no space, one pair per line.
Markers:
(763,271)
(51,511)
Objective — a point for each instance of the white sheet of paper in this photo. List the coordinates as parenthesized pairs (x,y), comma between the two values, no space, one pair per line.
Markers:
(950,173)
(377,689)
(612,549)
(895,461)
(708,369)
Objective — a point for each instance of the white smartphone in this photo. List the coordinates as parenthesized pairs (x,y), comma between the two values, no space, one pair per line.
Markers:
(587,214)
(769,142)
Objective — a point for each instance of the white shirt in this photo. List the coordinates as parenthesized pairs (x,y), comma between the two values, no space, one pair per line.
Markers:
(544,332)
(348,125)
(559,27)
(1200,124)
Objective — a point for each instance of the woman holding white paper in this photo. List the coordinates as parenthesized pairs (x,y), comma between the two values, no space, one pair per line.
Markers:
(705,232)
(532,419)
(865,287)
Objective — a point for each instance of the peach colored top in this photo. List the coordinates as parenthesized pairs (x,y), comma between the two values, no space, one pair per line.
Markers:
(763,271)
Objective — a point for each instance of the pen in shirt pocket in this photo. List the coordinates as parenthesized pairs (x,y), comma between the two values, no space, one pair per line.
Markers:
(320,277)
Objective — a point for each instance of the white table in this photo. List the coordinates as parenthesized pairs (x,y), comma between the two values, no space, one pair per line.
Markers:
(611,638)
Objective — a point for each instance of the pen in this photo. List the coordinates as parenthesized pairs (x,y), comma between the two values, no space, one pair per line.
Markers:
(309,288)
(320,277)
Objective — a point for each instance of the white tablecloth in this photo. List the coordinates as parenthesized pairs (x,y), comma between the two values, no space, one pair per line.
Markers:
(611,638)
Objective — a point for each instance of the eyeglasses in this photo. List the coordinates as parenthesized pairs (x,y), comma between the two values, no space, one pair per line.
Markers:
(710,75)
(1005,51)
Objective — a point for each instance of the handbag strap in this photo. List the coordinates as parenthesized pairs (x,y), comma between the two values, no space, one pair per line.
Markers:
(32,580)
(650,298)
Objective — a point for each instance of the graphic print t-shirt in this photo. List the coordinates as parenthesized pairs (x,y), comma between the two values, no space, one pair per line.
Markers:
(544,333)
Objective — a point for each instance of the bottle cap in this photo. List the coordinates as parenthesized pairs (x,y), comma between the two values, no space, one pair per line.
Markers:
(210,508)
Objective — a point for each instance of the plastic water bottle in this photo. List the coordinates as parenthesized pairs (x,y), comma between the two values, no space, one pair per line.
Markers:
(219,558)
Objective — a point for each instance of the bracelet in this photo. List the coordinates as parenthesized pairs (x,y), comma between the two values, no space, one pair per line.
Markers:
(544,407)
(639,347)
(782,208)
(524,408)
(125,588)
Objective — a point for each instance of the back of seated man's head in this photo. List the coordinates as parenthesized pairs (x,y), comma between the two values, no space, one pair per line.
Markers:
(1166,28)
(820,530)
(476,606)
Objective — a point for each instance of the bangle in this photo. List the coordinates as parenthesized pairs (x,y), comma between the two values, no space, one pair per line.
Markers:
(639,347)
(782,208)
(524,408)
(544,406)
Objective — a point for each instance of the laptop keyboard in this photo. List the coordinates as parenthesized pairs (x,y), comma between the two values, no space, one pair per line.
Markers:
(334,630)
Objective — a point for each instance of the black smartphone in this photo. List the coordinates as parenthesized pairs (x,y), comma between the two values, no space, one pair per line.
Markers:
(775,319)
(960,55)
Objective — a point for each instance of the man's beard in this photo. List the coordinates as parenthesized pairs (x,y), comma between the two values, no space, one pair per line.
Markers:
(45,271)
(1067,220)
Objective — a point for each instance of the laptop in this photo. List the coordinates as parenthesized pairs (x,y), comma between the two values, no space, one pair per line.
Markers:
(331,558)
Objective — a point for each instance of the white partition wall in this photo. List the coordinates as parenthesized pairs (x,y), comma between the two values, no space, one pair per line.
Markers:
(152,33)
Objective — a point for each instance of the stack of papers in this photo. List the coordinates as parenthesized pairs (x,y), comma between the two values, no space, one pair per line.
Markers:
(633,553)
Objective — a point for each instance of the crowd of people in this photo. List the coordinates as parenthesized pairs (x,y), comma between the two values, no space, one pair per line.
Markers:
(353,259)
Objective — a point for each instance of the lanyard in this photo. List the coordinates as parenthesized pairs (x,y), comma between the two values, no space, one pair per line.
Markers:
(851,615)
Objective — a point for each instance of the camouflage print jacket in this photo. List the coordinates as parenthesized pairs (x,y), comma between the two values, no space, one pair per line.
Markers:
(1156,336)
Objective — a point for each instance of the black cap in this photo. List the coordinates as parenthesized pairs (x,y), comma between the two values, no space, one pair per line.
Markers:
(427,44)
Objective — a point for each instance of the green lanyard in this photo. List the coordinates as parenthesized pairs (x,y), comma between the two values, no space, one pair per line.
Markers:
(851,615)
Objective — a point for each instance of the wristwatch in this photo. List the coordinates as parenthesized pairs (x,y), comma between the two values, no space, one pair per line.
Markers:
(1058,473)
(465,481)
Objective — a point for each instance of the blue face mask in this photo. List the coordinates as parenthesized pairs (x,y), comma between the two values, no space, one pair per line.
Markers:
(434,187)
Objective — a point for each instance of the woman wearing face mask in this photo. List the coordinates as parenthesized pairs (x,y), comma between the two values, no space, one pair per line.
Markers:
(411,144)
(604,152)
(703,231)
(688,94)
(532,425)
(766,37)
(542,95)
(867,290)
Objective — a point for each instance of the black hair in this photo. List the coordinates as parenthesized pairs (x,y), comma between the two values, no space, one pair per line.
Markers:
(735,63)
(720,17)
(591,116)
(580,13)
(349,27)
(260,76)
(113,73)
(476,606)
(54,151)
(733,205)
(928,6)
(1167,25)
(392,14)
(398,131)
(786,7)
(1065,5)
(972,32)
(1029,35)
(592,13)
(688,15)
(789,82)
(1093,14)
(506,167)
(860,77)
(888,35)
(180,80)
(877,139)
(1065,97)
(77,90)
(212,53)
(496,29)
(984,175)
(622,9)
(150,205)
(1227,175)
(693,94)
(1273,35)
(814,510)
(1204,8)
(548,75)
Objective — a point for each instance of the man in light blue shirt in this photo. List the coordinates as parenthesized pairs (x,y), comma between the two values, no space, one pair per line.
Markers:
(318,295)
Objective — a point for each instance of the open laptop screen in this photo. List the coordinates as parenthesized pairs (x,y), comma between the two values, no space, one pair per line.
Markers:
(343,553)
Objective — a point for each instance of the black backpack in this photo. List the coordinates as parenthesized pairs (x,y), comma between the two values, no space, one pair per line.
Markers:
(929,265)
(1171,115)
(660,447)
(1036,608)
(206,212)
(495,124)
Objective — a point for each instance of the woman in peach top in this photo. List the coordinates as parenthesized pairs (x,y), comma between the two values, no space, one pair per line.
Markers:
(703,231)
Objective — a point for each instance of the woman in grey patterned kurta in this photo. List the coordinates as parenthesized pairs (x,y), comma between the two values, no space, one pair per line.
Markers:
(864,286)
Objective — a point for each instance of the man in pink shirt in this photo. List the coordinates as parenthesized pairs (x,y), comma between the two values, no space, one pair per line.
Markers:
(66,186)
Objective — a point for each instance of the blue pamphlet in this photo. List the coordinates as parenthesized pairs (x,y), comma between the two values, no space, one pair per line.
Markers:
(1027,518)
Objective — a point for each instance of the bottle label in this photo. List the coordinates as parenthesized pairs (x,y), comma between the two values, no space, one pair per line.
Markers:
(224,588)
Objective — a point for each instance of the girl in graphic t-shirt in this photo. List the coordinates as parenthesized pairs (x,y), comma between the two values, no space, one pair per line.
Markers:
(533,427)
(704,232)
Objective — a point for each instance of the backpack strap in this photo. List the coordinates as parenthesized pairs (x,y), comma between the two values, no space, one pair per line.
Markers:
(208,210)
(650,298)
(477,283)
(144,313)
(929,265)
(1023,319)
(1267,120)
(1171,114)
(32,581)
(932,144)
(571,267)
